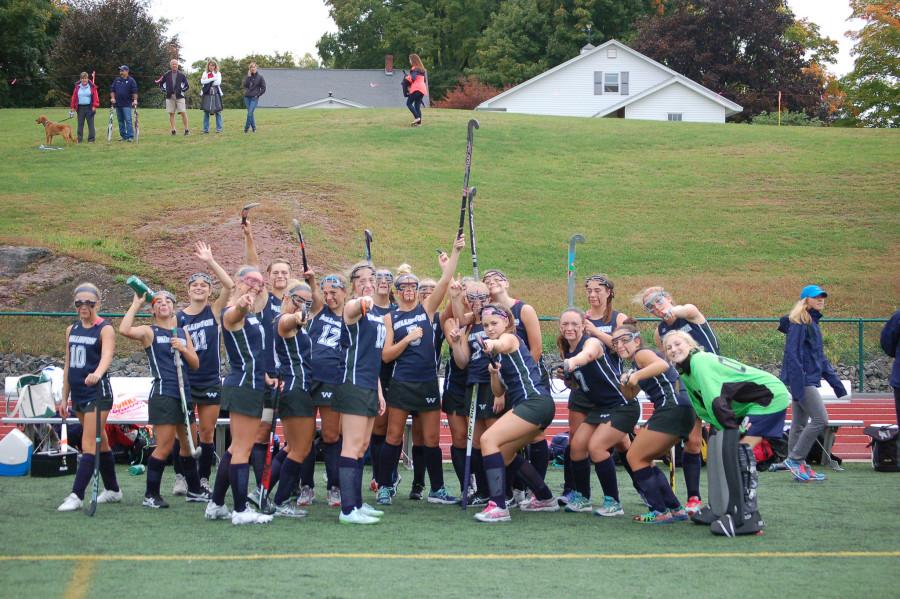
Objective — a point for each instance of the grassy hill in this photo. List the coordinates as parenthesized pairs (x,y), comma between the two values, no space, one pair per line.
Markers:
(734,218)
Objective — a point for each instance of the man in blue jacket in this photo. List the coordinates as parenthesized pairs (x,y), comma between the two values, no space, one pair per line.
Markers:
(890,343)
(123,95)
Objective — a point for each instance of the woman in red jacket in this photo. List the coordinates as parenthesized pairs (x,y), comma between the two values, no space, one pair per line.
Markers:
(85,101)
(418,88)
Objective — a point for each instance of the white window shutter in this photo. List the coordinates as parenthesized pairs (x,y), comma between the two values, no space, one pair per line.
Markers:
(623,83)
(598,83)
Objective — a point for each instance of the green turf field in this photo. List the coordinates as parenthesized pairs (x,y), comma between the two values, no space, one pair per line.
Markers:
(834,539)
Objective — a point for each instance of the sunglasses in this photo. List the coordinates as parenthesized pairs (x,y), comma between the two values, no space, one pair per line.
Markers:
(300,300)
(654,300)
(625,338)
(254,283)
(88,303)
(426,288)
(384,276)
(331,280)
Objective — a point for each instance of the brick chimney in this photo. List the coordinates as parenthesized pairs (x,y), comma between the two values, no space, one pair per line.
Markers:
(388,64)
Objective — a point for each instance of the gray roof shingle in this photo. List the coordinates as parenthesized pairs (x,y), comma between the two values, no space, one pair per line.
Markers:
(371,88)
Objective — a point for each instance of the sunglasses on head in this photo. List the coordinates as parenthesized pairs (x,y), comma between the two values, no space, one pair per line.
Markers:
(88,303)
(625,338)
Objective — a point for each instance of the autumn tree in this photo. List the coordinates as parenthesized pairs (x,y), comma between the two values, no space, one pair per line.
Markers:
(873,87)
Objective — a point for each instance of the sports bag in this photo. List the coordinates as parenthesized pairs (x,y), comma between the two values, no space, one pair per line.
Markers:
(35,397)
(885,446)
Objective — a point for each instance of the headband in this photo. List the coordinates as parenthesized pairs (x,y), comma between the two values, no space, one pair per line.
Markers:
(299,287)
(488,310)
(353,272)
(333,280)
(162,294)
(494,273)
(200,276)
(600,279)
(406,279)
(86,289)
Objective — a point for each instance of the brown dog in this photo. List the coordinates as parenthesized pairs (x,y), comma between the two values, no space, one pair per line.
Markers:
(52,129)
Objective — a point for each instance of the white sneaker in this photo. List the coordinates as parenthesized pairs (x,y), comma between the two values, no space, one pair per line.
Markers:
(204,484)
(289,510)
(70,504)
(249,517)
(307,495)
(357,517)
(216,512)
(536,505)
(493,513)
(180,486)
(519,497)
(108,496)
(368,510)
(334,497)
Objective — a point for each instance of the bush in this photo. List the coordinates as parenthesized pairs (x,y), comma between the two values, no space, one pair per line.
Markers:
(468,93)
(794,119)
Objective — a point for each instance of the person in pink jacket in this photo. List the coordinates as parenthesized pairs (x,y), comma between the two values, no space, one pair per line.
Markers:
(85,101)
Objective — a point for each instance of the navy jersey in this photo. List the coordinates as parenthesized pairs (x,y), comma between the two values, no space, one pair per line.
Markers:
(454,378)
(438,338)
(516,310)
(665,389)
(477,370)
(702,333)
(363,355)
(162,363)
(85,349)
(245,349)
(608,327)
(293,358)
(329,342)
(416,363)
(599,379)
(204,332)
(521,376)
(387,370)
(271,310)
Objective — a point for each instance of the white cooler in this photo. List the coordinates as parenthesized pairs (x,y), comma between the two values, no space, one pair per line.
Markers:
(15,454)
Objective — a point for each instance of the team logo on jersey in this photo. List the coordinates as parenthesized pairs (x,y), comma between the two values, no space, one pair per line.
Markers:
(482,406)
(604,415)
(326,394)
(430,400)
(212,394)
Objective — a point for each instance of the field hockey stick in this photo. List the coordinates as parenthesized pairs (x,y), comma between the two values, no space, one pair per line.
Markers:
(368,235)
(137,127)
(90,508)
(577,238)
(302,245)
(109,126)
(472,192)
(265,482)
(245,211)
(195,451)
(470,435)
(672,468)
(470,138)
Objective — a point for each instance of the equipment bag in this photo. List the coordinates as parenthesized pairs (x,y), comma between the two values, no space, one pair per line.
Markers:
(885,446)
(35,397)
(558,446)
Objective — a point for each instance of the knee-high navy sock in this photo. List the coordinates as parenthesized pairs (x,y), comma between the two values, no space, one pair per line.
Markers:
(511,482)
(495,473)
(176,451)
(624,456)
(480,474)
(358,477)
(418,457)
(258,459)
(390,454)
(458,457)
(275,468)
(606,472)
(108,471)
(347,475)
(646,478)
(223,479)
(290,472)
(240,478)
(691,464)
(539,456)
(668,496)
(529,474)
(581,477)
(376,442)
(155,469)
(207,454)
(332,456)
(189,469)
(433,461)
(568,475)
(308,469)
(83,474)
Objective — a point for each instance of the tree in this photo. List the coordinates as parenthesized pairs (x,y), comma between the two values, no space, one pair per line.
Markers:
(873,87)
(741,49)
(100,35)
(234,70)
(27,30)
(468,93)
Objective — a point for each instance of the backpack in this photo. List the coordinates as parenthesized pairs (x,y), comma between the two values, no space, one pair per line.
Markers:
(558,446)
(885,446)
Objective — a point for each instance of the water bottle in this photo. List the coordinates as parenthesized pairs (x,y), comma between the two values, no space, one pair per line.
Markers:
(137,469)
(139,287)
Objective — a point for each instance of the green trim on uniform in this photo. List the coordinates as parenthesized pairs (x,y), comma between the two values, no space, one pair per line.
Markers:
(357,401)
(673,420)
(244,401)
(414,396)
(622,417)
(165,409)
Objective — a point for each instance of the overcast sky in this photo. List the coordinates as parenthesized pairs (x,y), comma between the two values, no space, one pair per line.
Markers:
(268,26)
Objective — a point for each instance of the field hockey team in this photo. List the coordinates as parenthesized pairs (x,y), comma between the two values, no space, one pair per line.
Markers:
(363,353)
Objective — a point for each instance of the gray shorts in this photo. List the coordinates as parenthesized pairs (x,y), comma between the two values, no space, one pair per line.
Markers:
(165,409)
(324,394)
(673,420)
(240,400)
(356,400)
(622,418)
(296,403)
(538,410)
(414,396)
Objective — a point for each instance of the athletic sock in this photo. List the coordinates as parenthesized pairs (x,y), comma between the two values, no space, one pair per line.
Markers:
(258,459)
(308,469)
(347,476)
(581,476)
(529,474)
(240,478)
(668,496)
(221,484)
(332,453)
(568,475)
(495,473)
(479,472)
(154,476)
(207,453)
(508,480)
(108,471)
(390,454)
(433,461)
(539,456)
(83,474)
(376,442)
(646,478)
(418,457)
(176,451)
(189,468)
(290,471)
(458,457)
(358,476)
(691,464)
(606,472)
(624,457)
(275,468)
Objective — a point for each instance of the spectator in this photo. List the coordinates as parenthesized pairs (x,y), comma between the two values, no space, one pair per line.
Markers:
(890,343)
(254,86)
(418,88)
(211,95)
(173,84)
(85,100)
(123,95)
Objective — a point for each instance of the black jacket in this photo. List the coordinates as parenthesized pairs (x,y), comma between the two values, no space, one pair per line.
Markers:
(254,85)
(174,88)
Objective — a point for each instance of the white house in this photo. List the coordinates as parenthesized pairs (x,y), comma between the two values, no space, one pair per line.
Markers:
(612,80)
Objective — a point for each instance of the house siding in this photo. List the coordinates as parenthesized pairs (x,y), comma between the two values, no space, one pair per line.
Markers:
(676,98)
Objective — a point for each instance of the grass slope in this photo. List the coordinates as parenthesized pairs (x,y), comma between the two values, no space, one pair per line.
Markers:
(734,217)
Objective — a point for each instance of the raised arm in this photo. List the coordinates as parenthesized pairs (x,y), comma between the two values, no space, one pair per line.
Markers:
(141,333)
(440,290)
(689,312)
(251,258)
(204,253)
